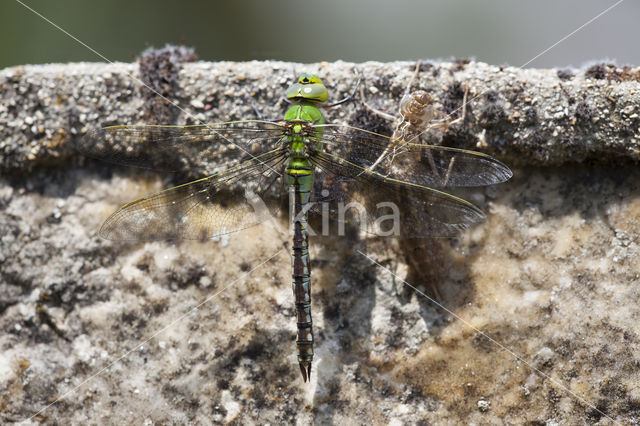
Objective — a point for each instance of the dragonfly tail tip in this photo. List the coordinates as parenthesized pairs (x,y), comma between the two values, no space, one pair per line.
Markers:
(305,369)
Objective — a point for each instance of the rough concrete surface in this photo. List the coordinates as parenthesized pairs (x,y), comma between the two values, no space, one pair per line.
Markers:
(107,334)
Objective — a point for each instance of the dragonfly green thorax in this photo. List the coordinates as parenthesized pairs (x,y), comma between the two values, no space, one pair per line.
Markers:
(306,94)
(316,163)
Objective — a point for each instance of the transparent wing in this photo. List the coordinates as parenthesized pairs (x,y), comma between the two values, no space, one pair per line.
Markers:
(226,202)
(160,147)
(387,206)
(426,165)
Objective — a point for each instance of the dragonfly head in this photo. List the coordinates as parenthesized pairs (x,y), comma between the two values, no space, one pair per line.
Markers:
(308,88)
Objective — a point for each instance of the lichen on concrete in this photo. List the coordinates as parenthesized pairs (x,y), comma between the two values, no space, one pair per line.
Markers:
(552,275)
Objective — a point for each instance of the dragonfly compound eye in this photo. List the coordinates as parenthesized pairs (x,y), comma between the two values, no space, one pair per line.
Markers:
(308,88)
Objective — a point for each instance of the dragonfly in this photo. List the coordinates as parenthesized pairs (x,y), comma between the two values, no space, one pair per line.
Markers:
(315,167)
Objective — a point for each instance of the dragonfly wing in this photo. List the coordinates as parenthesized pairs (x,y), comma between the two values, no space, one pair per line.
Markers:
(226,202)
(150,146)
(427,165)
(389,207)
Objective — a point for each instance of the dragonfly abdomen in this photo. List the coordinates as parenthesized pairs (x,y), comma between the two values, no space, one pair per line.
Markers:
(301,184)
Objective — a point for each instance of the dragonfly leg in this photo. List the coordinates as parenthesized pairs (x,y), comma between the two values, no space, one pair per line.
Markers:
(443,125)
(348,98)
(256,111)
(375,111)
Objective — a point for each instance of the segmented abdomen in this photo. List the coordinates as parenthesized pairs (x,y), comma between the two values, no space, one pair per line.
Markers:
(301,185)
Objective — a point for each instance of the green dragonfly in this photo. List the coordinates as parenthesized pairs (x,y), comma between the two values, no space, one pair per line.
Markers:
(315,167)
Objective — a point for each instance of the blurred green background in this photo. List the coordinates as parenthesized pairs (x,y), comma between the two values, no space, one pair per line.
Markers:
(494,31)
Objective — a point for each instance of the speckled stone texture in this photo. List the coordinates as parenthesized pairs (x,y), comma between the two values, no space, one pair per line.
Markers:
(108,331)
